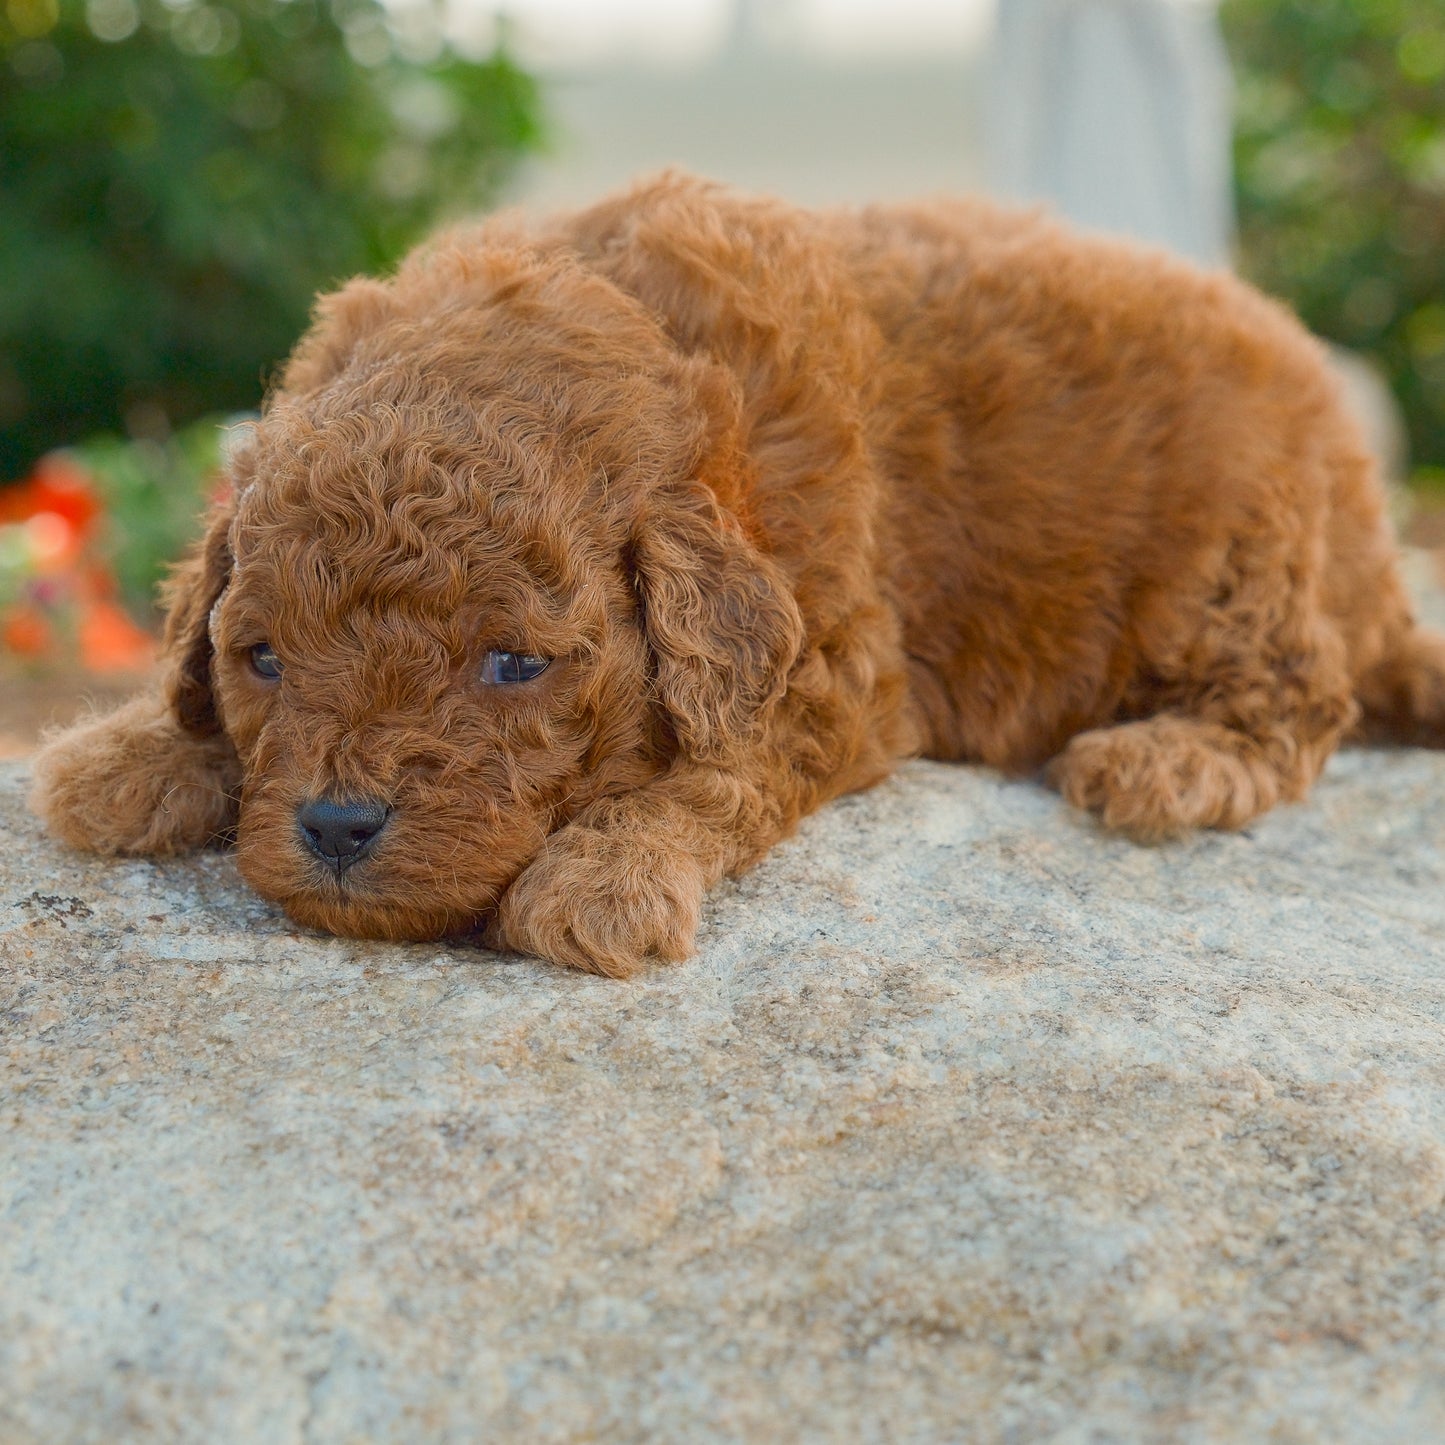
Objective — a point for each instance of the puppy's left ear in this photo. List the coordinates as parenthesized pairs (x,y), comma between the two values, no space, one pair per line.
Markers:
(719,616)
(192,590)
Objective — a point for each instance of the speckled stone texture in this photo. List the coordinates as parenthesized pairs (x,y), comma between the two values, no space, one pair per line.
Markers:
(968,1123)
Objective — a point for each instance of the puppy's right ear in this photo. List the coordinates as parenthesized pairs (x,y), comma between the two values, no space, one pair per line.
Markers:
(158,775)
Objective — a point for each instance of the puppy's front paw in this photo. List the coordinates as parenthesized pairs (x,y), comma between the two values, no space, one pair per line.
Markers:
(133,782)
(603,903)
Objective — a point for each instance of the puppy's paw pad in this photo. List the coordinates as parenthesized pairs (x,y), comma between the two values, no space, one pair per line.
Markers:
(595,903)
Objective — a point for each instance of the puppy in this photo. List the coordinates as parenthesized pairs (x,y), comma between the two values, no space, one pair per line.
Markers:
(567,569)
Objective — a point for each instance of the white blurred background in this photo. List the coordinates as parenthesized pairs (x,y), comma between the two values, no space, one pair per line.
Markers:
(820,100)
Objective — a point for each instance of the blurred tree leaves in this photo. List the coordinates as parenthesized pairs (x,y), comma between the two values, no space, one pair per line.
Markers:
(1340,167)
(152,492)
(179,177)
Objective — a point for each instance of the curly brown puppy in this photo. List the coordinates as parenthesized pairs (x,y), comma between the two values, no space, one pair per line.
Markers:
(568,568)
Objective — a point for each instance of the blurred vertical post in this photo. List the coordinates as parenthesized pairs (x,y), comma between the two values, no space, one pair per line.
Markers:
(1117,112)
(754,24)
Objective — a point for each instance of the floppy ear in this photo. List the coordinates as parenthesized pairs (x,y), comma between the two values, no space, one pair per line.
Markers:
(190,593)
(719,617)
(157,775)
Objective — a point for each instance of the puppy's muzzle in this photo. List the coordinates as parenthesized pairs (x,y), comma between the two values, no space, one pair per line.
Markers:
(341,834)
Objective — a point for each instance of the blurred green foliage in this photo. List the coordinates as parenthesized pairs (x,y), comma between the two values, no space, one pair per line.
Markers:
(179,177)
(152,491)
(1340,167)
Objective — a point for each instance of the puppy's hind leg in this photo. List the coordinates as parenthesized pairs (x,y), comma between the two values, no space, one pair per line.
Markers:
(1165,775)
(1245,714)
(1403,695)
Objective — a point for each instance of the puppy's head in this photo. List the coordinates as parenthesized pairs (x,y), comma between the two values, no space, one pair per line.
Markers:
(483,567)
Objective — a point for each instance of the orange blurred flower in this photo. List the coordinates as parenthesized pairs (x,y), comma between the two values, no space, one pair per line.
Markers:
(53,543)
(27,632)
(63,594)
(111,642)
(58,486)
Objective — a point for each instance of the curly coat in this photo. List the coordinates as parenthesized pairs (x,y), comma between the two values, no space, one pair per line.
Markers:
(786,496)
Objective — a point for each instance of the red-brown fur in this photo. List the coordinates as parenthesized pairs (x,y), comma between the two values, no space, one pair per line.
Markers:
(789,496)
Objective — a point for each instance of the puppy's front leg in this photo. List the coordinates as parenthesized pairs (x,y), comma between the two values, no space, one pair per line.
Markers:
(135,781)
(624,881)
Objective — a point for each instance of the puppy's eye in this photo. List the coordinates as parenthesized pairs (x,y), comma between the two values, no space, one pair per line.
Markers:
(264,662)
(504,667)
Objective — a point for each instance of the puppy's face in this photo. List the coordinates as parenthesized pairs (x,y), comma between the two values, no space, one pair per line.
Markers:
(428,657)
(482,570)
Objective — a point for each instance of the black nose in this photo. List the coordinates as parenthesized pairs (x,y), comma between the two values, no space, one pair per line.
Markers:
(341,833)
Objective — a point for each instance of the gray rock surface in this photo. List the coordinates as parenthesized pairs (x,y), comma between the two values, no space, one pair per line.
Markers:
(967,1123)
